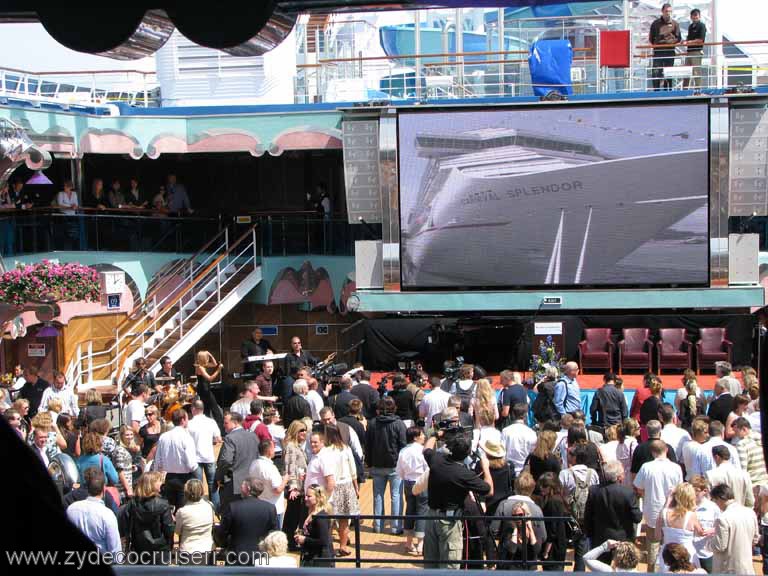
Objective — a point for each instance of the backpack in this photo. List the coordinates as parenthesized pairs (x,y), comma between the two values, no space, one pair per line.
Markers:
(577,499)
(466,396)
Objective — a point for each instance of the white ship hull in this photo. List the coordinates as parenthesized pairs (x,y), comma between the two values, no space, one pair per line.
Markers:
(562,226)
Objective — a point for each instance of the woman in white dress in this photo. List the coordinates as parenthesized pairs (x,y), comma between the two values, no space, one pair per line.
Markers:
(679,524)
(628,432)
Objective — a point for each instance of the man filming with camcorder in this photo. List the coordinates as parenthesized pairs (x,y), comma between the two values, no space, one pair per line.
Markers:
(450,481)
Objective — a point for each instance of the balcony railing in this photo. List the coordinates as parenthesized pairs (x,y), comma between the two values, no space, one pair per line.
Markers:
(282,233)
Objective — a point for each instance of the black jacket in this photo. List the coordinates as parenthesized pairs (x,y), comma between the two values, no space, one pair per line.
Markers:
(384,439)
(246,524)
(544,404)
(292,362)
(611,513)
(34,393)
(720,409)
(318,543)
(340,403)
(251,348)
(295,408)
(609,406)
(369,396)
(147,523)
(81,493)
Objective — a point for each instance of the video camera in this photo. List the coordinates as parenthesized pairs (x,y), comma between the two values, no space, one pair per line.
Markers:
(326,372)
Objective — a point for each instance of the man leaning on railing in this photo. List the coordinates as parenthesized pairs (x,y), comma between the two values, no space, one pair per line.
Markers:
(697,34)
(664,35)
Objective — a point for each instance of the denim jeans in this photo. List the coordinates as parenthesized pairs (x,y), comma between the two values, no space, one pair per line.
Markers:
(210,472)
(380,478)
(415,506)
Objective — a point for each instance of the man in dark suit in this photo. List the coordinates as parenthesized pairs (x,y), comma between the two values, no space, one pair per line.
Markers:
(609,406)
(297,358)
(722,405)
(246,523)
(240,448)
(297,407)
(643,454)
(33,389)
(340,402)
(611,511)
(367,394)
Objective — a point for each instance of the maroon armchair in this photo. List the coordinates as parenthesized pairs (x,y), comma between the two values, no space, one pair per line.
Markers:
(713,346)
(673,349)
(596,350)
(636,350)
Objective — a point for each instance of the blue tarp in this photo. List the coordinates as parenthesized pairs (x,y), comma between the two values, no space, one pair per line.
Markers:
(550,65)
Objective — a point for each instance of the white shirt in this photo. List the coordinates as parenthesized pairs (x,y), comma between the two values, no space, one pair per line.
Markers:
(134,411)
(707,512)
(519,441)
(278,435)
(97,522)
(433,403)
(321,465)
(176,452)
(657,479)
(706,462)
(203,431)
(691,459)
(410,462)
(315,403)
(569,475)
(265,470)
(67,397)
(67,201)
(242,407)
(677,438)
(754,420)
(42,454)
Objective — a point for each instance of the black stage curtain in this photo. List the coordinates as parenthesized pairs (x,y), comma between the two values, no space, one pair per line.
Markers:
(506,342)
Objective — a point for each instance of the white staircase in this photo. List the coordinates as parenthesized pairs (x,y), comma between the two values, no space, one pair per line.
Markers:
(190,300)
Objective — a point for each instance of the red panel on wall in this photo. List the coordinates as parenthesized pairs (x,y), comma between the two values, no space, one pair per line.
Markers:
(614,48)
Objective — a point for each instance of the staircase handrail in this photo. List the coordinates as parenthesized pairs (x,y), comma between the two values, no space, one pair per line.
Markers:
(166,276)
(189,287)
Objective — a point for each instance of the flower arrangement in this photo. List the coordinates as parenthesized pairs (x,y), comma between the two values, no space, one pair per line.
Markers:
(547,356)
(48,282)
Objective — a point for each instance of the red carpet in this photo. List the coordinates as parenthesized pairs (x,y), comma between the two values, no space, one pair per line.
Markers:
(594,381)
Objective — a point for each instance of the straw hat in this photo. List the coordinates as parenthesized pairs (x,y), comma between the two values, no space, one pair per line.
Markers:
(493,449)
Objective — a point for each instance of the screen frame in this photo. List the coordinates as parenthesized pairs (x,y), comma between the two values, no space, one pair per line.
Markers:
(508,107)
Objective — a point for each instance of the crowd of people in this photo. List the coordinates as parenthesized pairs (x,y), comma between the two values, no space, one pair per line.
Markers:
(684,481)
(169,198)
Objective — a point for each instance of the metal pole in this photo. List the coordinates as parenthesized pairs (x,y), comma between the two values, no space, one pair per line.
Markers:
(717,53)
(502,46)
(459,27)
(358,564)
(417,50)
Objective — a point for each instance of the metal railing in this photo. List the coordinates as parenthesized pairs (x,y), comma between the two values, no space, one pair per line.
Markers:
(134,87)
(47,229)
(497,528)
(168,317)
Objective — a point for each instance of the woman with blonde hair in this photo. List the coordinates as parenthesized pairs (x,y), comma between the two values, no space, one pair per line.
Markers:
(21,405)
(625,557)
(543,458)
(194,520)
(276,545)
(315,536)
(678,523)
(93,409)
(295,462)
(146,520)
(56,442)
(690,405)
(484,407)
(128,441)
(627,435)
(208,370)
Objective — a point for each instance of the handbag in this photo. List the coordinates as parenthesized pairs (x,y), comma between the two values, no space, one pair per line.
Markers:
(111,490)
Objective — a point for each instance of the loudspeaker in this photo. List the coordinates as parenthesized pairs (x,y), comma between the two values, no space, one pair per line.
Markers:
(743,250)
(369,267)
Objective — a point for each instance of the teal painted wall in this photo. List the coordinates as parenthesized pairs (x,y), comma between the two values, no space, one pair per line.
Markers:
(141,266)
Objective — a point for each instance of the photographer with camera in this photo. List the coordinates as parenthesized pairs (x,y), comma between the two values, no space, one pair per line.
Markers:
(450,482)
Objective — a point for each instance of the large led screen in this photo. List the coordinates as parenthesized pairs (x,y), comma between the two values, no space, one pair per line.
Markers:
(570,196)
